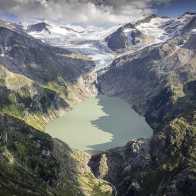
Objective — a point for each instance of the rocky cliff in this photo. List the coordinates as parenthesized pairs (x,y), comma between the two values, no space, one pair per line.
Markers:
(38,81)
(148,31)
(124,37)
(32,163)
(159,82)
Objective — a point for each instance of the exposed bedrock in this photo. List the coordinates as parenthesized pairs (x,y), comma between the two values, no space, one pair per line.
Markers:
(37,80)
(34,164)
(159,83)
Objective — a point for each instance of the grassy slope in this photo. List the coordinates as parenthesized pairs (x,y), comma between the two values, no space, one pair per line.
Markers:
(48,166)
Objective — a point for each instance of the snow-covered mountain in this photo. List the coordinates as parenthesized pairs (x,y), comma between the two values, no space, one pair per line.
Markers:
(104,44)
(151,30)
(88,41)
(155,74)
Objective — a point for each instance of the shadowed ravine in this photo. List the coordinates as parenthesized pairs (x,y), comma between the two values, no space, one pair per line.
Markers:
(99,123)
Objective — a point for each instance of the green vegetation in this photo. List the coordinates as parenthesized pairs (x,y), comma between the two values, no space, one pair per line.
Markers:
(49,167)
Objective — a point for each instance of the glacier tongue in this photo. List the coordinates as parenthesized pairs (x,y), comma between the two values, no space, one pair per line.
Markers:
(85,40)
(91,40)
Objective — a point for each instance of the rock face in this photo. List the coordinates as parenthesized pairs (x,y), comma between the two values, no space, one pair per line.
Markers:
(159,82)
(164,165)
(120,163)
(24,54)
(123,38)
(148,31)
(28,100)
(39,81)
(38,27)
(32,163)
(159,68)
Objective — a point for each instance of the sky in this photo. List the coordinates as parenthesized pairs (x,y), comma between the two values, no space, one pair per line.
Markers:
(176,7)
(91,11)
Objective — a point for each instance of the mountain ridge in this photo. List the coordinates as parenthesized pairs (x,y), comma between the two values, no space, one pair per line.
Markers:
(157,80)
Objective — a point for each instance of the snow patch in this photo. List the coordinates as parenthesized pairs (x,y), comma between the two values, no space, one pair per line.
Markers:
(153,28)
(86,40)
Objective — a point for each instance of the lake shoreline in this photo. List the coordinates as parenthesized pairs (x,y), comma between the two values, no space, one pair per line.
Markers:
(99,123)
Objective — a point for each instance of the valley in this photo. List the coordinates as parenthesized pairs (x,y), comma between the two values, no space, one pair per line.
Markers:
(125,95)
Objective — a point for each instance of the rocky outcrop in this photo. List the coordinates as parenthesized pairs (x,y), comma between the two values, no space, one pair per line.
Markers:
(160,68)
(148,31)
(38,81)
(38,27)
(124,38)
(23,54)
(26,99)
(32,163)
(113,164)
(159,83)
(164,165)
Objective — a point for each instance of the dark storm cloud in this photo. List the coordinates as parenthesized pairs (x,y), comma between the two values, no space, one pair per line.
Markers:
(85,11)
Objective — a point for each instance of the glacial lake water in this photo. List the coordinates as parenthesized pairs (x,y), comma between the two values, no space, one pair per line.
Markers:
(99,123)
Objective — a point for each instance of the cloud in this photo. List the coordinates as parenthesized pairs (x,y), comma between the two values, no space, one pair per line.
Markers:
(80,11)
(158,2)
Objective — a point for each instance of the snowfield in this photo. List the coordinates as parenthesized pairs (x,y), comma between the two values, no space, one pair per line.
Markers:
(90,40)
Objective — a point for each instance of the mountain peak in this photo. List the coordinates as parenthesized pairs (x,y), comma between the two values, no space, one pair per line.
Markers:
(189,13)
(38,27)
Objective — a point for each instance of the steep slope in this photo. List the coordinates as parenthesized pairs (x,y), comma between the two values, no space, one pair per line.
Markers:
(39,27)
(32,163)
(148,31)
(88,41)
(154,68)
(159,82)
(23,54)
(124,37)
(39,81)
(25,99)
